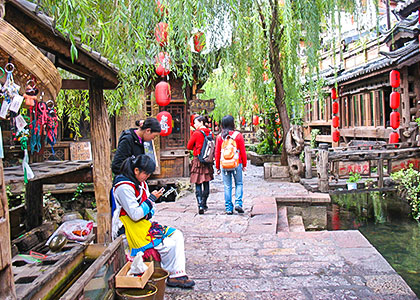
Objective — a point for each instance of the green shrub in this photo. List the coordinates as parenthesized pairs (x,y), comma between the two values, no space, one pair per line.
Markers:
(408,186)
(354,177)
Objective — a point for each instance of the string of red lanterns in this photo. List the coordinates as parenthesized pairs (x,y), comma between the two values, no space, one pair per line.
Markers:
(335,118)
(394,103)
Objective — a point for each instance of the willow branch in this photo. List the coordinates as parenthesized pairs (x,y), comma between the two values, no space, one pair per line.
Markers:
(263,24)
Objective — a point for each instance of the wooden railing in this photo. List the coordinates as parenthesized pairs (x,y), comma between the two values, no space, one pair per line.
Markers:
(336,163)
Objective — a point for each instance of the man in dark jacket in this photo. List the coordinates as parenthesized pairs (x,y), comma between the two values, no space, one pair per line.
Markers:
(131,141)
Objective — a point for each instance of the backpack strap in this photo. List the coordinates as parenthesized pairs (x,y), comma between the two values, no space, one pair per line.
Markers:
(234,134)
(204,133)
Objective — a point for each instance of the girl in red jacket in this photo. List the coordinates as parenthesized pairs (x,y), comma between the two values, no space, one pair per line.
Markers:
(200,173)
(228,131)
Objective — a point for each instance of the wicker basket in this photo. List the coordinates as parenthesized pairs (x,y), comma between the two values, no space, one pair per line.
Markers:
(29,62)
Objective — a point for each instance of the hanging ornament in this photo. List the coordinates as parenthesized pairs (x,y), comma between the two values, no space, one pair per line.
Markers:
(336,136)
(243,121)
(255,120)
(394,138)
(22,137)
(163,64)
(163,93)
(333,93)
(395,120)
(335,121)
(394,78)
(335,107)
(394,103)
(161,33)
(199,41)
(165,120)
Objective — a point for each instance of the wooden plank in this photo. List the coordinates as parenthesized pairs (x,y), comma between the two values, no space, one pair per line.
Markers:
(77,288)
(84,175)
(101,152)
(322,170)
(7,283)
(380,173)
(74,84)
(361,167)
(34,205)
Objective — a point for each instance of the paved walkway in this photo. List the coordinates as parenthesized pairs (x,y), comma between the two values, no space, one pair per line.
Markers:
(242,257)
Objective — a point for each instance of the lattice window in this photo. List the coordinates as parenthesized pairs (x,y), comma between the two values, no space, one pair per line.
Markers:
(177,139)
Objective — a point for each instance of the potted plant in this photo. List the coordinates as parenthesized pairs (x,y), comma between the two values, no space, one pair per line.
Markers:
(353,180)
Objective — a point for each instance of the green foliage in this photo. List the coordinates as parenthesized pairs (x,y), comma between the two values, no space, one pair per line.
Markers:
(314,134)
(78,193)
(264,148)
(408,185)
(417,120)
(354,177)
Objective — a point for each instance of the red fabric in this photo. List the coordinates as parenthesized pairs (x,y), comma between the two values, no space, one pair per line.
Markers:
(240,143)
(196,141)
(137,193)
(151,255)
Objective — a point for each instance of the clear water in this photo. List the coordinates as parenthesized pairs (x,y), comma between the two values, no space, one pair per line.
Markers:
(386,222)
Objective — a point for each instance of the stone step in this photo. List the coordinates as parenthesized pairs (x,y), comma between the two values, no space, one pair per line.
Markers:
(282,221)
(309,198)
(296,224)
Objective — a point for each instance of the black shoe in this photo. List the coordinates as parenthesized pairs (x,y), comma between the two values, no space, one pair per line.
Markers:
(229,212)
(201,210)
(181,282)
(239,209)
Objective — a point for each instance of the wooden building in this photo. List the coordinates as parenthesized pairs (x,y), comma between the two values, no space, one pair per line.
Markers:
(363,84)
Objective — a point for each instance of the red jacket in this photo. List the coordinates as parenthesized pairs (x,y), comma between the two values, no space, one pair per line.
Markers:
(196,141)
(240,143)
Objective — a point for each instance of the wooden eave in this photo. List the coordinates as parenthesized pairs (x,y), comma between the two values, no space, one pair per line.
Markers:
(407,8)
(38,28)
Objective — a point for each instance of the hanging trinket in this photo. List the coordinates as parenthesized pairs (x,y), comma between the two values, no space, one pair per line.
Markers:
(22,138)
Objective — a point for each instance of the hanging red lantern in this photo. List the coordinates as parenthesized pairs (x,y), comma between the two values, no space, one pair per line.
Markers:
(394,103)
(161,33)
(163,93)
(394,138)
(394,78)
(335,108)
(199,41)
(255,120)
(395,120)
(335,121)
(277,121)
(333,93)
(163,64)
(165,120)
(243,121)
(336,136)
(160,9)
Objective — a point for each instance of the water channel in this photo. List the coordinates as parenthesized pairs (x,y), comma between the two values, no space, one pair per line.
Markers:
(385,220)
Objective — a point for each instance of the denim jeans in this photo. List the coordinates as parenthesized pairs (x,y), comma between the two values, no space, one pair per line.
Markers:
(239,190)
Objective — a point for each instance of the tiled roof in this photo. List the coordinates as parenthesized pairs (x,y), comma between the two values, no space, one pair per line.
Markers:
(405,8)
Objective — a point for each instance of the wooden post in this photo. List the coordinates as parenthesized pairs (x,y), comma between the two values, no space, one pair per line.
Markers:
(322,168)
(405,99)
(101,153)
(7,284)
(380,173)
(34,204)
(308,162)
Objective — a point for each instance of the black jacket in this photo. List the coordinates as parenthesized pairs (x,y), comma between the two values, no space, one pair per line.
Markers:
(128,145)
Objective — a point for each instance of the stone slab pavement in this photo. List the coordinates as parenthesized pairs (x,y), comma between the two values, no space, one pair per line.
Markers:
(241,257)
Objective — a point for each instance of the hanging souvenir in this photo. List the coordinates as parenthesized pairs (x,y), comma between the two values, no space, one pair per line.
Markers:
(22,137)
(51,125)
(31,92)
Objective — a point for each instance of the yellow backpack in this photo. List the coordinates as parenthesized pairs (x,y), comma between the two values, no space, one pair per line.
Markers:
(229,158)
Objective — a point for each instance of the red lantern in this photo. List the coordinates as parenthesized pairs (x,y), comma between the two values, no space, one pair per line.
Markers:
(333,93)
(255,120)
(163,64)
(394,103)
(161,33)
(199,41)
(336,136)
(394,78)
(335,108)
(163,93)
(394,138)
(335,121)
(243,121)
(165,120)
(395,120)
(160,8)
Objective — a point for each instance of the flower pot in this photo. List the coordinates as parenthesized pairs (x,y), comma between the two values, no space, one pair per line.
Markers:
(352,186)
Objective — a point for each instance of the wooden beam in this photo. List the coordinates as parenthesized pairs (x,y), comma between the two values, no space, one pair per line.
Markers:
(84,175)
(7,283)
(101,153)
(74,84)
(34,205)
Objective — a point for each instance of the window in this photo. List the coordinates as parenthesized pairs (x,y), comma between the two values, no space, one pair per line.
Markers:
(355,111)
(362,111)
(372,110)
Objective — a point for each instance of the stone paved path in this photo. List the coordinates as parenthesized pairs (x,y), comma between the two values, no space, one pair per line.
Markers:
(241,257)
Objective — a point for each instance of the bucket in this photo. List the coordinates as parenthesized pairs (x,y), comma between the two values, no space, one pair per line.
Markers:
(147,293)
(158,278)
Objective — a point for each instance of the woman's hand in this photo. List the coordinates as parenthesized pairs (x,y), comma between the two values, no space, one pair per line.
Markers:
(158,193)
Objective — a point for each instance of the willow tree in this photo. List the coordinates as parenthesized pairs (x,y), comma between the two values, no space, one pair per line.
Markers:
(254,37)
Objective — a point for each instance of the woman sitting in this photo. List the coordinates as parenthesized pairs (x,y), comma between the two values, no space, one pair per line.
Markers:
(134,207)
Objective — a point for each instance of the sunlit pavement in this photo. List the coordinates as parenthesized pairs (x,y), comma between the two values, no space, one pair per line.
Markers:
(241,256)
